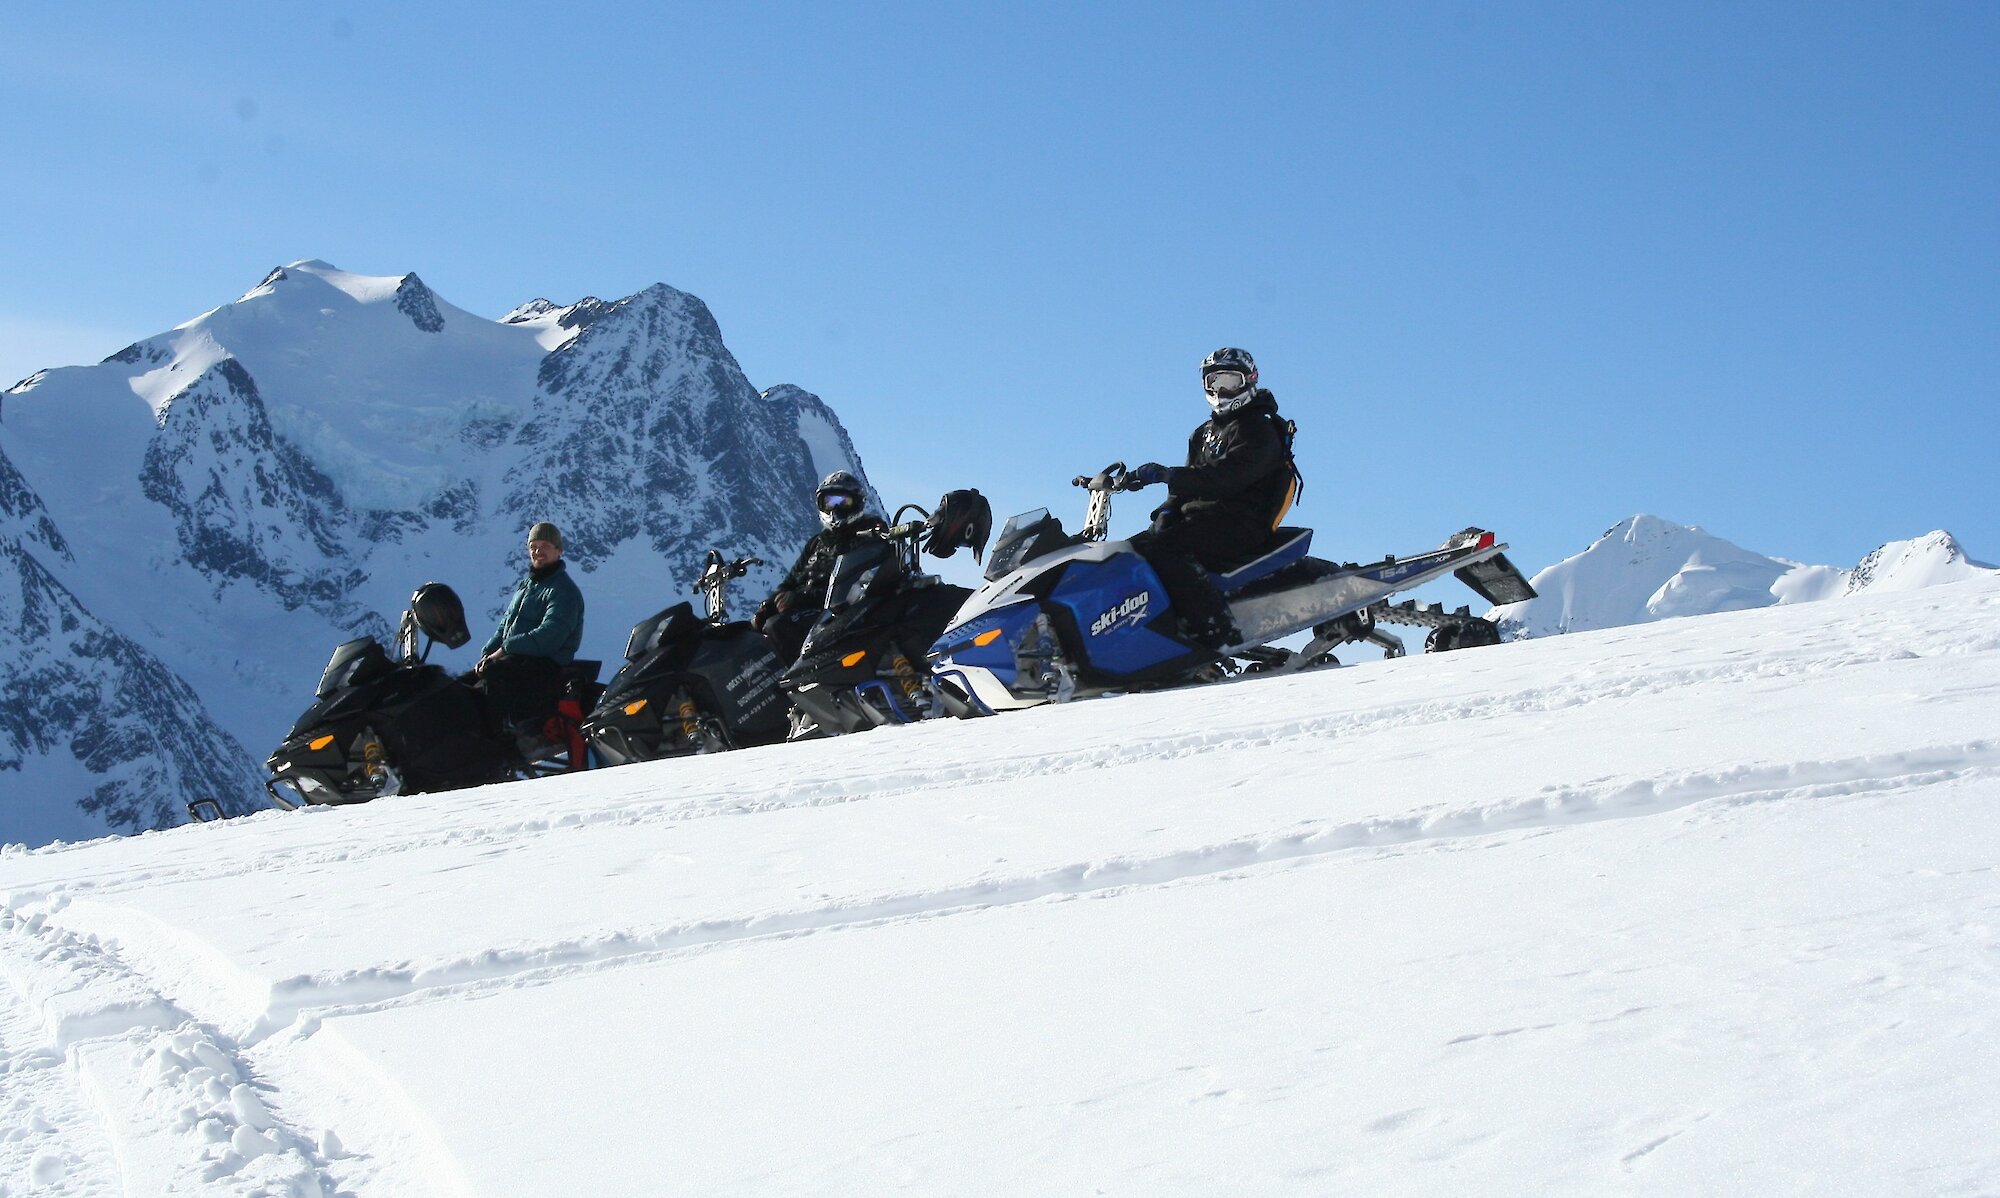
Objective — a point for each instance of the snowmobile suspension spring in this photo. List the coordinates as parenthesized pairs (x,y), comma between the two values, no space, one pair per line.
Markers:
(906,677)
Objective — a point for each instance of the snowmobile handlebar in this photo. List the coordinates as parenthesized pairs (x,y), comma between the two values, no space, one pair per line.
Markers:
(715,566)
(1112,478)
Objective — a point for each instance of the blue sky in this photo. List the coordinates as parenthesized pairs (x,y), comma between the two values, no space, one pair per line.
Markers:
(1533,266)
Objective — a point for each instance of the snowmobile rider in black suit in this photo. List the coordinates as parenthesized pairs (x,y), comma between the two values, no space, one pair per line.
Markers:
(791,610)
(1224,506)
(520,667)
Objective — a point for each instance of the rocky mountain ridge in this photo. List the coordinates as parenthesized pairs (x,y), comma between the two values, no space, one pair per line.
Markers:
(225,501)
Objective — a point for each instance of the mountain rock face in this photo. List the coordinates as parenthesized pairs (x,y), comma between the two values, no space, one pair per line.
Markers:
(190,526)
(1645,568)
(89,714)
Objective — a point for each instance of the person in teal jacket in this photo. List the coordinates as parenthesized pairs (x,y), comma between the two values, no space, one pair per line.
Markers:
(520,667)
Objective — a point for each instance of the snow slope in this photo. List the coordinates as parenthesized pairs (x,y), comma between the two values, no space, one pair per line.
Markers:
(1700,906)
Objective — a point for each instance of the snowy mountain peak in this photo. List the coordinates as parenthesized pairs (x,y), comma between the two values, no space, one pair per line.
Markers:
(530,310)
(1650,538)
(238,494)
(312,281)
(1923,561)
(557,325)
(1645,568)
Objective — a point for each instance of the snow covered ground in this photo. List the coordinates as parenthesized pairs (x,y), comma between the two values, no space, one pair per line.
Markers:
(1703,906)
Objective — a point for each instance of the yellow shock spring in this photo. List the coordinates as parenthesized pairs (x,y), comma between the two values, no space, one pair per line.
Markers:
(690,721)
(906,677)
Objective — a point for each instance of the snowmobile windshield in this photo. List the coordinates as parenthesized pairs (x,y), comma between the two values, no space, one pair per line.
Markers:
(669,625)
(862,574)
(354,663)
(863,578)
(1025,538)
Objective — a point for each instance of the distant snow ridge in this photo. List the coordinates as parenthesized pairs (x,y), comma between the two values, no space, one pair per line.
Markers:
(1645,568)
(215,507)
(1928,560)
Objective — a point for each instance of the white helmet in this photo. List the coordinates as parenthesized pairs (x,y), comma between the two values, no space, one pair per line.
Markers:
(1229,376)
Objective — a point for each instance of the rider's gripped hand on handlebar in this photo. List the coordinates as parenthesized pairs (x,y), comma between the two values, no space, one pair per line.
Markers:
(1116,477)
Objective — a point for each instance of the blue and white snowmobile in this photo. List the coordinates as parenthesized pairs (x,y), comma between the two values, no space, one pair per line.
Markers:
(1064,617)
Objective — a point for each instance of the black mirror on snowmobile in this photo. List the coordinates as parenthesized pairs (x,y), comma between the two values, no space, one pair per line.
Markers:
(440,614)
(963,519)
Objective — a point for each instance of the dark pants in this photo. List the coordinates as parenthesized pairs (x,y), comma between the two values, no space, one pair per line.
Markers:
(787,631)
(521,689)
(1182,550)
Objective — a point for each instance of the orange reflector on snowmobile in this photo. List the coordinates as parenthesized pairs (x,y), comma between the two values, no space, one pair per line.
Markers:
(321,743)
(635,707)
(987,637)
(854,658)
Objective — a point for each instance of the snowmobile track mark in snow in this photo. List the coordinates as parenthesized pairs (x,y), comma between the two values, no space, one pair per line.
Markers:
(178,1104)
(308,1000)
(727,798)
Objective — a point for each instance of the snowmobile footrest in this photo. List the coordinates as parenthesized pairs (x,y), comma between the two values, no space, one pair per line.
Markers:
(206,811)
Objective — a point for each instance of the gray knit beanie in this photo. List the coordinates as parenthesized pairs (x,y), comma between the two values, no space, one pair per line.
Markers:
(544,531)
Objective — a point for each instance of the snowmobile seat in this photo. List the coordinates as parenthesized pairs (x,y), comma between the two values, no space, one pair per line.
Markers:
(579,682)
(1291,545)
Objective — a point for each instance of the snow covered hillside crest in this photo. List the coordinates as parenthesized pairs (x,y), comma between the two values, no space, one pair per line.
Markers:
(1645,568)
(238,494)
(1688,908)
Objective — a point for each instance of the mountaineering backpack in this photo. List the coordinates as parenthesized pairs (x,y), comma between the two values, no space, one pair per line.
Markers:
(1287,430)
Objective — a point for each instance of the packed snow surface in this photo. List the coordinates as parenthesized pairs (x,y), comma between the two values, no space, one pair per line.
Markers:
(1700,906)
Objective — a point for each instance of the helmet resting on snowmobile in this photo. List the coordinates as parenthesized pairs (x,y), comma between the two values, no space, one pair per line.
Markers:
(440,614)
(1229,378)
(839,499)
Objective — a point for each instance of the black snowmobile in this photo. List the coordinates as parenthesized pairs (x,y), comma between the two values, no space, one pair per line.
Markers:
(381,726)
(689,684)
(863,663)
